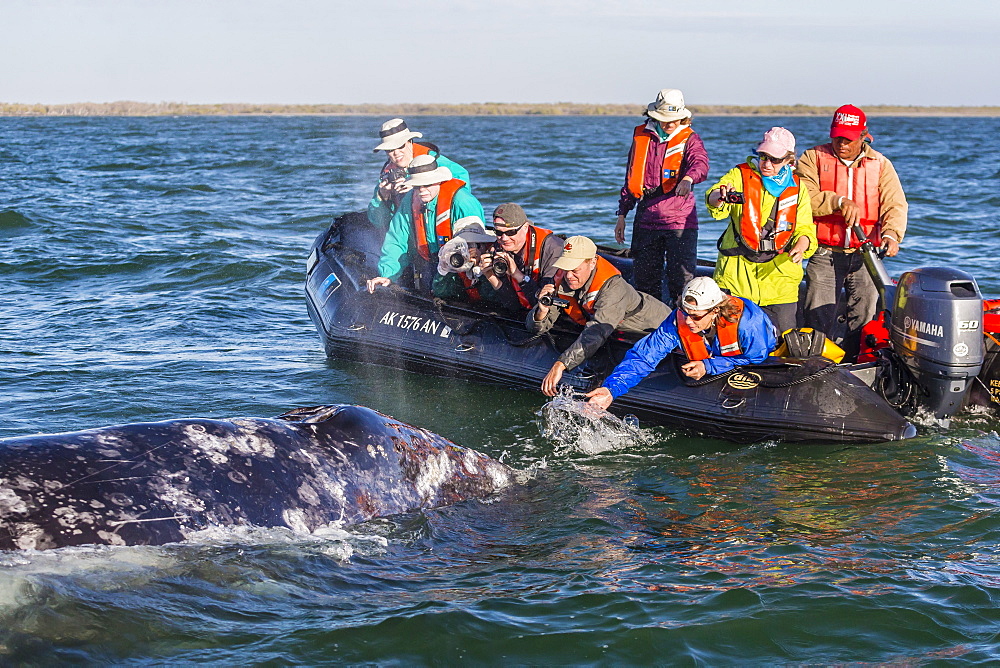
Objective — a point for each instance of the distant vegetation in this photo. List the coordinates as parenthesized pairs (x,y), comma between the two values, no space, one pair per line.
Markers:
(472,109)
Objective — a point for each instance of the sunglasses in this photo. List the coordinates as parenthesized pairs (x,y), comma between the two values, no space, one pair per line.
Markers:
(764,157)
(698,318)
(506,233)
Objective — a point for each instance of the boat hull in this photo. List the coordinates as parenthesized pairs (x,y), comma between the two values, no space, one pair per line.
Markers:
(785,400)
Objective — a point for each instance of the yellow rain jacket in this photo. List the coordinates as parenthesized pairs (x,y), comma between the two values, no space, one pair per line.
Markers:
(765,283)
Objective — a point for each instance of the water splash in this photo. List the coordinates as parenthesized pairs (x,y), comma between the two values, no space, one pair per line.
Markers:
(576,426)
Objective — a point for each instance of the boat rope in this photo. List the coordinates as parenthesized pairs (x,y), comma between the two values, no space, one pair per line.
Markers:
(805,379)
(490,318)
(798,381)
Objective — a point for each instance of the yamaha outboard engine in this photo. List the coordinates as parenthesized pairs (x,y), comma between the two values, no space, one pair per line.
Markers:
(936,331)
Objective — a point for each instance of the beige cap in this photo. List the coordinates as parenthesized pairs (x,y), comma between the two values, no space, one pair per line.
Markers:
(425,171)
(394,134)
(668,106)
(576,250)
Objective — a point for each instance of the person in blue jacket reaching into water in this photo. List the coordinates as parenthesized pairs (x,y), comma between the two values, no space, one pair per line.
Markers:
(716,332)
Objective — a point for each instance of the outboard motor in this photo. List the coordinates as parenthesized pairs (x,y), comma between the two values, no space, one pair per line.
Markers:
(936,331)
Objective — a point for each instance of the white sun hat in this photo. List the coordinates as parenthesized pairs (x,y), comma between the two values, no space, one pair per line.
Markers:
(425,171)
(702,294)
(668,106)
(394,134)
(473,230)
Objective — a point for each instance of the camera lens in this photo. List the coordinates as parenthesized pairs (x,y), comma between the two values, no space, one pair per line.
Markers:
(500,266)
(456,260)
(545,300)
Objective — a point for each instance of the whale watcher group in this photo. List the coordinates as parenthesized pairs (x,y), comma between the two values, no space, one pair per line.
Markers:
(791,218)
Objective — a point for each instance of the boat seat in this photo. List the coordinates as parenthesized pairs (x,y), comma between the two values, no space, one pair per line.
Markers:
(805,342)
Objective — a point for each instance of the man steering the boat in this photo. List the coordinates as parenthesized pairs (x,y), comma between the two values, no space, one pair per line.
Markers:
(423,224)
(848,182)
(523,258)
(397,140)
(716,332)
(591,292)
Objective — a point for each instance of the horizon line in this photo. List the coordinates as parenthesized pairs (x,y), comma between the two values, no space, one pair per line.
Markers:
(135,108)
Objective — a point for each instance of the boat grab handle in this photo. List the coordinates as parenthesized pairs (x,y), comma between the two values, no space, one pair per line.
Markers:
(356,327)
(733,402)
(464,347)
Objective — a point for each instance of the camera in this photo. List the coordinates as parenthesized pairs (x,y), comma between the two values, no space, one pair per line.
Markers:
(500,266)
(733,197)
(458,260)
(552,300)
(394,174)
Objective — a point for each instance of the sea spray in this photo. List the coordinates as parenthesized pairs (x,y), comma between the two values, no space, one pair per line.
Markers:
(577,426)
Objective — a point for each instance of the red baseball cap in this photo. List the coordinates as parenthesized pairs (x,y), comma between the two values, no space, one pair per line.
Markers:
(849,122)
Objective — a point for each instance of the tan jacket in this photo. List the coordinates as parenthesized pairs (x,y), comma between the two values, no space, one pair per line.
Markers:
(892,201)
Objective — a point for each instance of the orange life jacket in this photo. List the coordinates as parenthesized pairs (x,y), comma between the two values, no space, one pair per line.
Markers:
(418,149)
(727,333)
(581,312)
(669,171)
(531,255)
(442,218)
(751,232)
(859,184)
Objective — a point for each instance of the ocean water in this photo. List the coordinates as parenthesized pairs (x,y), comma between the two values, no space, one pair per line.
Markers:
(153,268)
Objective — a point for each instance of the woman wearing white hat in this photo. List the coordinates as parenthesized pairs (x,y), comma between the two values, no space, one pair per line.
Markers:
(397,140)
(770,230)
(423,223)
(666,158)
(716,332)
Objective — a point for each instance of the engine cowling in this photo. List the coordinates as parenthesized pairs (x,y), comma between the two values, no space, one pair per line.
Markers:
(936,330)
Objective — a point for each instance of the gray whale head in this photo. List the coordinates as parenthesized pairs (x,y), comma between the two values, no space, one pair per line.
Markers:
(155,483)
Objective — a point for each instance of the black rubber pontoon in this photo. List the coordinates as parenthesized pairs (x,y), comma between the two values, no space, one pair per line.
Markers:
(792,400)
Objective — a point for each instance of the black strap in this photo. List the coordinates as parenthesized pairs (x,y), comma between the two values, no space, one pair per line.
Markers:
(642,302)
(752,254)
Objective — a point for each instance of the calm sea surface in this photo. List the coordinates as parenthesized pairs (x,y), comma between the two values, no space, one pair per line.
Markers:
(153,268)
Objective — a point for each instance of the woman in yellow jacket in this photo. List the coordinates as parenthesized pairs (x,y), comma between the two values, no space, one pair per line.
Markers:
(770,231)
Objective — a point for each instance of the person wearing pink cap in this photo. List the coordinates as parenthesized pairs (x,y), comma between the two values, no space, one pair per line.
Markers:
(770,229)
(849,182)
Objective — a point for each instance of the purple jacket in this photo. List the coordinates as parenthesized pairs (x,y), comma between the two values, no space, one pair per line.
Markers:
(668,212)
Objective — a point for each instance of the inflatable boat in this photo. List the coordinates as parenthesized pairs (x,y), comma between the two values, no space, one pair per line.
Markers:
(785,399)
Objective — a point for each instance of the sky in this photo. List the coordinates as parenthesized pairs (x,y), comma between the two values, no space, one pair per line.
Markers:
(454,51)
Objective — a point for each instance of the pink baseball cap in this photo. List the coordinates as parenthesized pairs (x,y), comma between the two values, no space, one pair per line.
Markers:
(778,142)
(849,122)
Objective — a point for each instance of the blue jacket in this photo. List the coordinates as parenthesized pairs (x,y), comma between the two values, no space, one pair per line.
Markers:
(756,335)
(397,246)
(380,212)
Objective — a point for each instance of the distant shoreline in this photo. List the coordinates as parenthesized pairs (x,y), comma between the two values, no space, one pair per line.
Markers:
(126,108)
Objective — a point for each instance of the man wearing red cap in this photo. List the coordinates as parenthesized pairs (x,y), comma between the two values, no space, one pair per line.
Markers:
(849,182)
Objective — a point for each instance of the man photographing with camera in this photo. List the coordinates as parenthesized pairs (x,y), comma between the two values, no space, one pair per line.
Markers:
(522,259)
(398,142)
(595,296)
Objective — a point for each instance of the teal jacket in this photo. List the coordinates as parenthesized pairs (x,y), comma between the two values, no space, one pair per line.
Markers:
(398,244)
(380,212)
